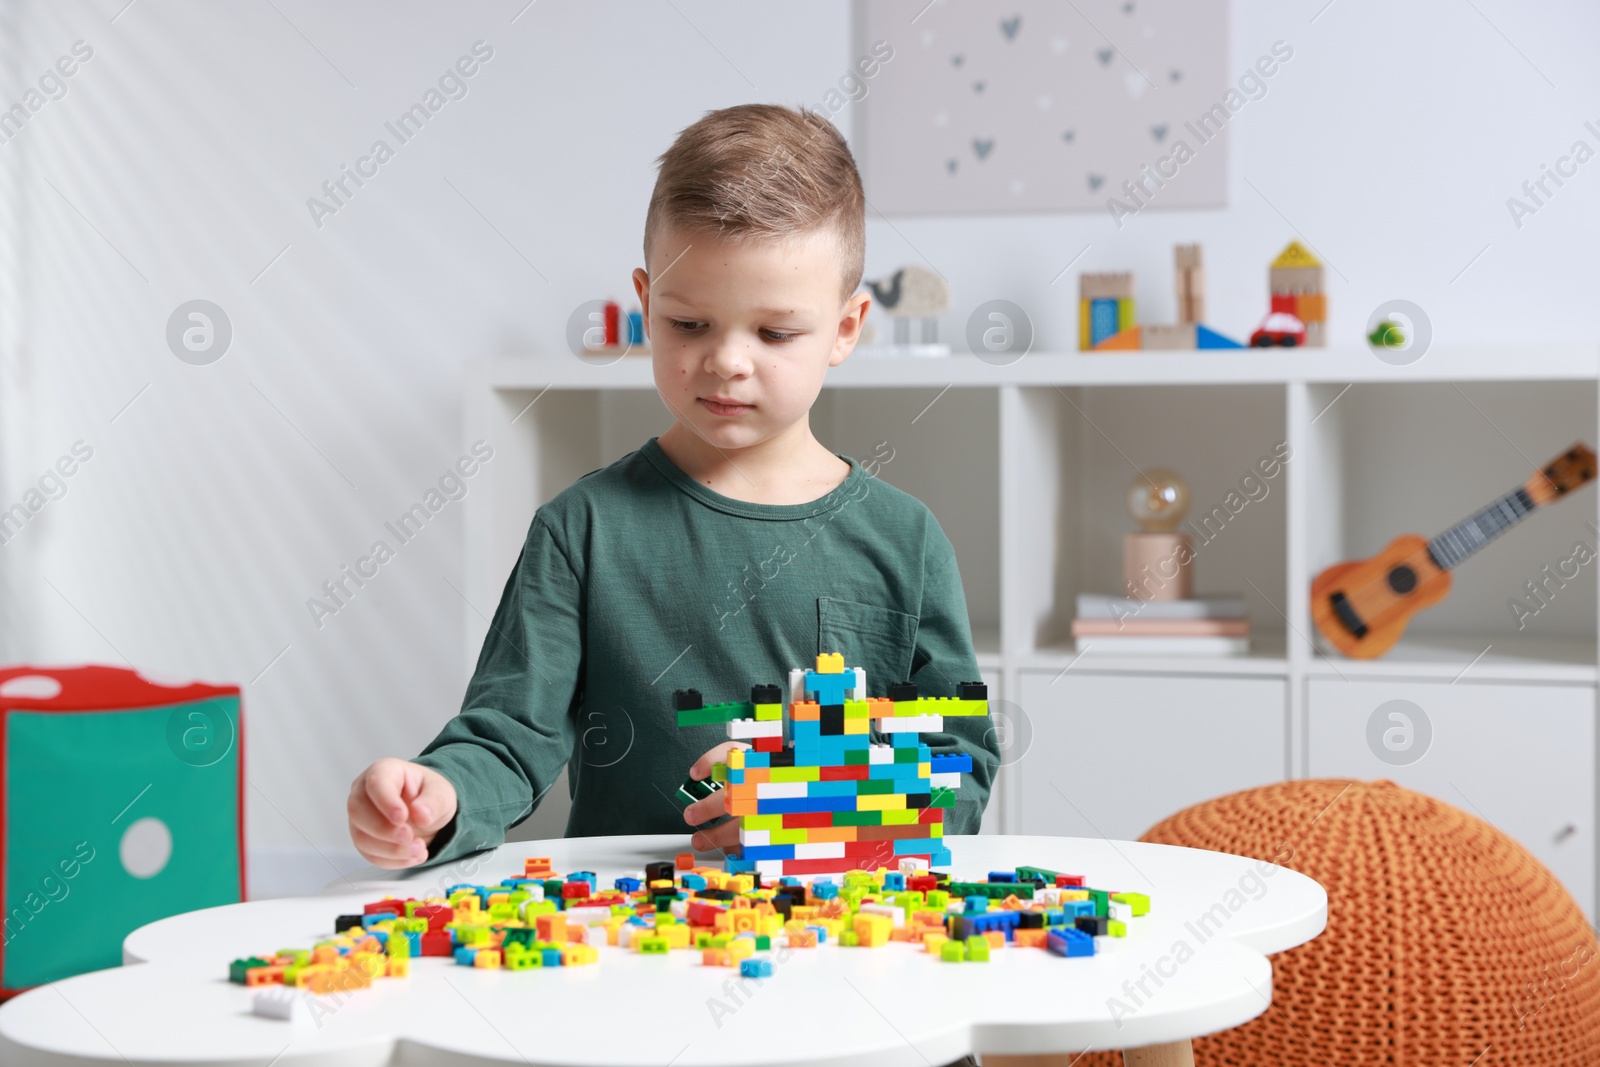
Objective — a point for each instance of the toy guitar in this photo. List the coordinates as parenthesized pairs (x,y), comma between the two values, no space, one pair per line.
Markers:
(1362,607)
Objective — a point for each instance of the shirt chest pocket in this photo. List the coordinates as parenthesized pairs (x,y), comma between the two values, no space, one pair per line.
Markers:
(879,640)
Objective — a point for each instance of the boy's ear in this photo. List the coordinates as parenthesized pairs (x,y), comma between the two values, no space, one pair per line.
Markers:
(641,287)
(850,323)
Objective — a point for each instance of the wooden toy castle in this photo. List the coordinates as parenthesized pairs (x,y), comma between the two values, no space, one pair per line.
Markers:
(830,798)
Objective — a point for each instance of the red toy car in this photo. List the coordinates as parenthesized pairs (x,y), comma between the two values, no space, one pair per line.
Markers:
(1279,328)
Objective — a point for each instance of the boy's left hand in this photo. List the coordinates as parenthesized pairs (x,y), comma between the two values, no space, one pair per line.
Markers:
(725,836)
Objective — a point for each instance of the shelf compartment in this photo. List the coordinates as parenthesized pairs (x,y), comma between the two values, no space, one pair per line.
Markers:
(1418,458)
(1071,453)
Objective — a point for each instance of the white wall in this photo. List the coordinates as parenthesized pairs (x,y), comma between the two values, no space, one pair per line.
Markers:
(178,164)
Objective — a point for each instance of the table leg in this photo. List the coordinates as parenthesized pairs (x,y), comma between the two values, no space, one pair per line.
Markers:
(1176,1054)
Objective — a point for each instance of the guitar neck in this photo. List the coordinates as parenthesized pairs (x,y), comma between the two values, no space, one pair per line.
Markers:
(1472,533)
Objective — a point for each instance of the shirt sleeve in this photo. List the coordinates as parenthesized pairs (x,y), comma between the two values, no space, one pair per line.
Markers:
(943,658)
(516,727)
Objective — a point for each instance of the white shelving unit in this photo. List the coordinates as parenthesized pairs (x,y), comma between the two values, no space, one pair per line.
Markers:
(1025,466)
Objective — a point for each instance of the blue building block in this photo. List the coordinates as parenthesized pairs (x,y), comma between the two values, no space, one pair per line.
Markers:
(948,763)
(754,968)
(824,890)
(692,881)
(628,885)
(1204,338)
(829,688)
(1069,942)
(465,955)
(552,957)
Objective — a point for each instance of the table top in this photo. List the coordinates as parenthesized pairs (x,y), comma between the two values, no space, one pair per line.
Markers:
(1194,965)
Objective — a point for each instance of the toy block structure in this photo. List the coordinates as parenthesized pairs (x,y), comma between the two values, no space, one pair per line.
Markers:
(831,798)
(124,792)
(1187,333)
(1295,281)
(1105,308)
(1191,283)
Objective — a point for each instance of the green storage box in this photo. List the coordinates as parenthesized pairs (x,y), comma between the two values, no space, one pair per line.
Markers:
(121,802)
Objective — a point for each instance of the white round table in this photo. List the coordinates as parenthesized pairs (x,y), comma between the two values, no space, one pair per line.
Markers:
(1194,965)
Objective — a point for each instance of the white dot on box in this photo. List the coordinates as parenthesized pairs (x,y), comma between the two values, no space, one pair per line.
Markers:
(145,848)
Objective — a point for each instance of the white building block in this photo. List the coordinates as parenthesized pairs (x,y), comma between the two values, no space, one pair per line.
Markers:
(744,729)
(282,1002)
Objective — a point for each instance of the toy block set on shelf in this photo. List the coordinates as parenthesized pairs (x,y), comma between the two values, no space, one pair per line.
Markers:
(605,338)
(1106,319)
(542,920)
(831,798)
(1105,308)
(1299,311)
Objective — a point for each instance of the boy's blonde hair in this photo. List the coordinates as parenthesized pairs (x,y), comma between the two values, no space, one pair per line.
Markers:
(762,171)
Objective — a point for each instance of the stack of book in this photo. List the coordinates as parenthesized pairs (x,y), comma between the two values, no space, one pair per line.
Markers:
(1200,626)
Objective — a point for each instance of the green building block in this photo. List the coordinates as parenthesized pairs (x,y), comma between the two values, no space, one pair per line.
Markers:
(237,968)
(977,949)
(848,939)
(715,713)
(768,712)
(1139,902)
(953,951)
(653,945)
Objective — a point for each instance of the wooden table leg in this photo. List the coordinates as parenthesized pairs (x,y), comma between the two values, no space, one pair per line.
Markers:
(1176,1054)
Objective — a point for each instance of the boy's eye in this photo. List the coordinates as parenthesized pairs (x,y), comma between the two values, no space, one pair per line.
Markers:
(692,326)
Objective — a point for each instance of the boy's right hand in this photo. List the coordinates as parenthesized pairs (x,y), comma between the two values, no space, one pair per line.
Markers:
(396,808)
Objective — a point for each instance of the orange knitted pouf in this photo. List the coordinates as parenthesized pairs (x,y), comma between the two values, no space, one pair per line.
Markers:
(1447,945)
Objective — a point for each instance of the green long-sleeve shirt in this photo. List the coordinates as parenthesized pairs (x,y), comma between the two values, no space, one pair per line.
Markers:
(636,581)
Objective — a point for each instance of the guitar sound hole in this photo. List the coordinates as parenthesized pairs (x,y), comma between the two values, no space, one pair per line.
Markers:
(1402,579)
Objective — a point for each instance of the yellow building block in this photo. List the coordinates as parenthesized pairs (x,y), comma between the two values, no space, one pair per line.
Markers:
(677,935)
(578,955)
(488,958)
(399,967)
(881,802)
(872,930)
(830,663)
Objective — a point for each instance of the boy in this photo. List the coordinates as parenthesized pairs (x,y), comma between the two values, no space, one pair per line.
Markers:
(719,555)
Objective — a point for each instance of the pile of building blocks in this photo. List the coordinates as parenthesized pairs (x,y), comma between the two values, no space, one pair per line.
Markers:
(542,919)
(830,798)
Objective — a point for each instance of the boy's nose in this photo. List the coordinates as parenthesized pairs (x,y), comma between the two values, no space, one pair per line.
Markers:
(730,357)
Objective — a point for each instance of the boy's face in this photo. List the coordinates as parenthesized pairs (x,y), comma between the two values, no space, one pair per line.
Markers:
(758,323)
